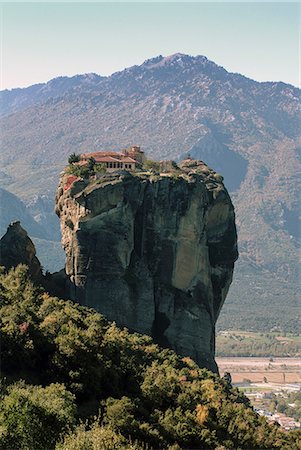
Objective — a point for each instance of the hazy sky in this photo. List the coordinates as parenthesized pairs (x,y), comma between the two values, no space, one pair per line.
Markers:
(43,40)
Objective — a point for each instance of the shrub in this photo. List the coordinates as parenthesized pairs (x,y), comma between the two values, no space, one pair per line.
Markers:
(218,177)
(174,175)
(120,415)
(97,437)
(33,417)
(151,165)
(100,168)
(79,171)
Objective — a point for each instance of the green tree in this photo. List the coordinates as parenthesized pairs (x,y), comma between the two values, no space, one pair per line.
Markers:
(33,417)
(91,163)
(97,437)
(120,415)
(100,168)
(228,378)
(153,395)
(73,158)
(79,171)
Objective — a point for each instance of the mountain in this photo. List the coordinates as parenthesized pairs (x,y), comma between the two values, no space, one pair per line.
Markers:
(41,207)
(42,225)
(12,209)
(17,99)
(174,106)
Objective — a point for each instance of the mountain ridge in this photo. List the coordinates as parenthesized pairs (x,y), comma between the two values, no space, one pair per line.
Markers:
(14,209)
(93,78)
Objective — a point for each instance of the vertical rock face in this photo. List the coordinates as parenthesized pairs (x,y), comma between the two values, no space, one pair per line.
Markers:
(16,247)
(154,253)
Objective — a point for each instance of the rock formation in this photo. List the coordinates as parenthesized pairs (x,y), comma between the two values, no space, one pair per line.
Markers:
(247,130)
(155,253)
(16,247)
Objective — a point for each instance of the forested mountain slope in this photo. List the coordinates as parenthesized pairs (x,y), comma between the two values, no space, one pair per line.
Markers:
(128,392)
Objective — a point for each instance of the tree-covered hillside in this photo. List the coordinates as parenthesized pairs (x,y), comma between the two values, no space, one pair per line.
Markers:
(87,384)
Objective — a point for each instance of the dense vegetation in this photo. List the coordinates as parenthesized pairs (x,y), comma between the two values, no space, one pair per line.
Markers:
(90,385)
(239,343)
(84,171)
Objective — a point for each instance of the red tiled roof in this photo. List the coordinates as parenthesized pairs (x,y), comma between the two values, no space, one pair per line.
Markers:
(128,159)
(108,157)
(70,180)
(100,154)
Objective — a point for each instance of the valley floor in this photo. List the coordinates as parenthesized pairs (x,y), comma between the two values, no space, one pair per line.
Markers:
(256,369)
(273,385)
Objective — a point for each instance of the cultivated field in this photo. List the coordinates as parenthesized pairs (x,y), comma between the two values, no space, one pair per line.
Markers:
(256,370)
(254,344)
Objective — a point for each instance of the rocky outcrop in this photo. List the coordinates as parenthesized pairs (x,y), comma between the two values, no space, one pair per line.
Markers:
(152,252)
(16,247)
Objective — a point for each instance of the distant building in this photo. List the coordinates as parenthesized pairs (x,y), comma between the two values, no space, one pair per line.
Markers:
(129,159)
(288,423)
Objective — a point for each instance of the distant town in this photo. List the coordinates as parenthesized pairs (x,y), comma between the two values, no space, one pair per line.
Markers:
(273,386)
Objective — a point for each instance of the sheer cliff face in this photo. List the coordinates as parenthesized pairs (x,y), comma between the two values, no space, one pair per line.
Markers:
(153,253)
